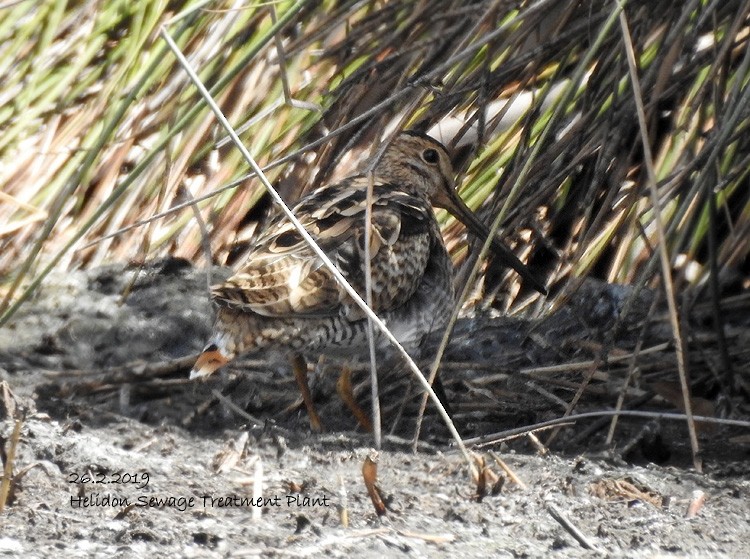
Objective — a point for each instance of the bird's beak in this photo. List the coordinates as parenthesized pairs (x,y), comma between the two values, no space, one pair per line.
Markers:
(208,362)
(449,200)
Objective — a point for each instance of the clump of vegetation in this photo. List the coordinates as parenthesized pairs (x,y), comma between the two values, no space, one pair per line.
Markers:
(109,153)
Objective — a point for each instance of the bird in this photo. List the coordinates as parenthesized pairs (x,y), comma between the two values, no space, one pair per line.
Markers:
(284,301)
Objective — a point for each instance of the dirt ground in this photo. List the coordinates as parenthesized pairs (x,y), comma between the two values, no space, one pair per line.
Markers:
(120,455)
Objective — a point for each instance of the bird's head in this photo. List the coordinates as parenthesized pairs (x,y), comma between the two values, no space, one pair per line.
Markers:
(418,159)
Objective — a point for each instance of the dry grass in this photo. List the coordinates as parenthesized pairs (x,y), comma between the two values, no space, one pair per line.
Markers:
(105,145)
(101,129)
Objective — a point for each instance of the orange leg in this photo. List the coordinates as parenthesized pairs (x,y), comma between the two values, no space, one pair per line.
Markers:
(344,388)
(300,373)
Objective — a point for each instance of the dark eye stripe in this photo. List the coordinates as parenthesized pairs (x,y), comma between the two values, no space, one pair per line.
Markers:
(420,171)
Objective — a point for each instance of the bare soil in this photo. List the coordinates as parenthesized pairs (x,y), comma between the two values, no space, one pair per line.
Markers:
(120,455)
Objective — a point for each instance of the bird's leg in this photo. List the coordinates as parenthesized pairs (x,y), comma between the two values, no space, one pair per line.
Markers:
(439,388)
(299,366)
(346,393)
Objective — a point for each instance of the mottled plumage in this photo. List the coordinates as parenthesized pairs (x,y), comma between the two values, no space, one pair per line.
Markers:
(284,299)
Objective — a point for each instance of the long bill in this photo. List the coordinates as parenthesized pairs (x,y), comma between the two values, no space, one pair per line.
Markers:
(452,202)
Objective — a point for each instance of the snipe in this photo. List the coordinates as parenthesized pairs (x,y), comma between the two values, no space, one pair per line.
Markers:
(285,300)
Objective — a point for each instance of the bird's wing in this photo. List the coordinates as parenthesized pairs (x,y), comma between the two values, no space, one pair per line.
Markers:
(284,277)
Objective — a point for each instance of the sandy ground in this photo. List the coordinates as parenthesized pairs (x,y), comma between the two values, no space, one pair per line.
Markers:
(128,460)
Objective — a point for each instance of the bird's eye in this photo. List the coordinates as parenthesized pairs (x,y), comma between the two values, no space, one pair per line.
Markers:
(430,156)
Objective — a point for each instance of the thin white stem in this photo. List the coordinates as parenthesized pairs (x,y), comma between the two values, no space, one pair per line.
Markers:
(310,241)
(374,391)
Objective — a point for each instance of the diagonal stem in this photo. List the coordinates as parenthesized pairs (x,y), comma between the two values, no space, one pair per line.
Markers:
(314,246)
(662,245)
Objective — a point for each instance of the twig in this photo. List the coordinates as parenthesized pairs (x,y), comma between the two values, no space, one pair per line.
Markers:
(696,503)
(374,391)
(343,505)
(130,372)
(205,238)
(632,370)
(10,457)
(257,488)
(570,527)
(235,408)
(508,471)
(540,448)
(280,52)
(666,266)
(515,433)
